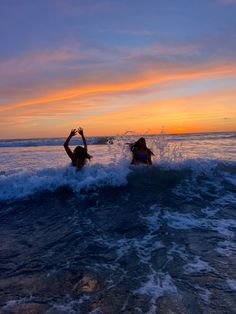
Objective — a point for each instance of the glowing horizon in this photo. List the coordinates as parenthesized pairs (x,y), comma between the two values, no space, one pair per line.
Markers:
(167,65)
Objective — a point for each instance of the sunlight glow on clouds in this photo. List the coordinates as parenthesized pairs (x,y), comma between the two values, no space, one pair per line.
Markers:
(101,64)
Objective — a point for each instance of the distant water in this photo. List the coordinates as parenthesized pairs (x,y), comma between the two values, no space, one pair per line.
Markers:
(115,238)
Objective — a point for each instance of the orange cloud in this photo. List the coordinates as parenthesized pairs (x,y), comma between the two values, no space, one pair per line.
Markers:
(204,112)
(129,83)
(195,113)
(98,105)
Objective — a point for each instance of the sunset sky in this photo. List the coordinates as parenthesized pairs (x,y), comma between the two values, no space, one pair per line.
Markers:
(113,66)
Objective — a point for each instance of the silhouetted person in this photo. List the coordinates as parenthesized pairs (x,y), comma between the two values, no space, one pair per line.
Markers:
(141,153)
(80,154)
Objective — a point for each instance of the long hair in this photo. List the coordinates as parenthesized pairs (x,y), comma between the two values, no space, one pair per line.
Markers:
(138,145)
(81,153)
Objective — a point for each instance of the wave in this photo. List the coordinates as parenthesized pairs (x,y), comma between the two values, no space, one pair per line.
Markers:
(25,183)
(161,175)
(102,140)
(52,142)
(199,136)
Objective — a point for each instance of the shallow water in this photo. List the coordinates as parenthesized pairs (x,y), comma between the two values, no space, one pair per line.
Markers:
(119,239)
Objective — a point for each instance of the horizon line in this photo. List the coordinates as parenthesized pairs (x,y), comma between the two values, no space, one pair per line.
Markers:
(123,134)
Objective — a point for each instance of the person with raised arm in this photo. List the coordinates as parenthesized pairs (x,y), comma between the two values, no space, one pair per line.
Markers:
(80,155)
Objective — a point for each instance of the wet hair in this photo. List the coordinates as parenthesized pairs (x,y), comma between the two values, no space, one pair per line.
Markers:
(137,145)
(81,153)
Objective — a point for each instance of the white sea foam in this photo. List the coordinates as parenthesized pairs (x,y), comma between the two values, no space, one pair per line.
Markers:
(96,311)
(232,284)
(209,212)
(226,248)
(230,179)
(44,167)
(157,285)
(11,304)
(198,266)
(204,293)
(178,250)
(51,141)
(143,248)
(62,309)
(181,221)
(227,199)
(187,221)
(146,247)
(153,219)
(27,182)
(223,227)
(67,306)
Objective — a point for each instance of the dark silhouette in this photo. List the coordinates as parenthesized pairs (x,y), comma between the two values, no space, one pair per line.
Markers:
(141,153)
(80,154)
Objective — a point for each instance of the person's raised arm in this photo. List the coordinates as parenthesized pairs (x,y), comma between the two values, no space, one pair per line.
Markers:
(66,144)
(81,132)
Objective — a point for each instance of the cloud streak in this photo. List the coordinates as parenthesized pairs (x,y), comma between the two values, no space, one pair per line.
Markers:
(131,82)
(61,59)
(177,114)
(36,62)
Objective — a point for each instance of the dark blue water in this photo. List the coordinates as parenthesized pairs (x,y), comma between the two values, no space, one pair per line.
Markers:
(119,239)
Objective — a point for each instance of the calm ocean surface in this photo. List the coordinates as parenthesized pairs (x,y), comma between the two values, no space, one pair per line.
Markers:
(115,238)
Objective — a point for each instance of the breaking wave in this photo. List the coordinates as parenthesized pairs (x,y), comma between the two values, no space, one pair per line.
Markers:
(95,176)
(51,142)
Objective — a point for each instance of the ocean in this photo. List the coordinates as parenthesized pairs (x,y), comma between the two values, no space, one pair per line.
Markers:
(115,238)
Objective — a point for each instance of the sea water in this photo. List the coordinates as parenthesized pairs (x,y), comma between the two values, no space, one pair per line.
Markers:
(115,238)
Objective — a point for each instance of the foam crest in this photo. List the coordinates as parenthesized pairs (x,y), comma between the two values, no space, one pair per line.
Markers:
(232,284)
(170,154)
(177,220)
(226,248)
(12,303)
(25,183)
(153,219)
(179,250)
(198,266)
(182,221)
(210,212)
(157,285)
(68,305)
(34,142)
(204,293)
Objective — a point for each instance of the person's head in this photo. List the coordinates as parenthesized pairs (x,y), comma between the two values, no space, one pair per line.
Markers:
(81,154)
(141,143)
